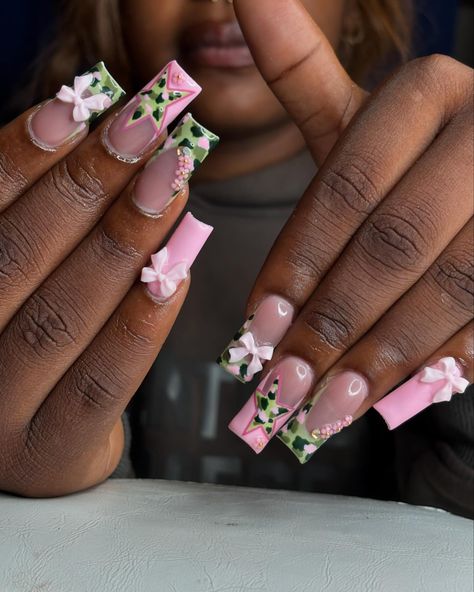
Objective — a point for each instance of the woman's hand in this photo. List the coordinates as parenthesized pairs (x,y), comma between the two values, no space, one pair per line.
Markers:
(371,278)
(79,218)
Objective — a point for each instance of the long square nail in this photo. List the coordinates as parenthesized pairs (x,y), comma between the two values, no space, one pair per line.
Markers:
(255,342)
(74,107)
(173,165)
(329,412)
(273,403)
(434,384)
(150,112)
(170,266)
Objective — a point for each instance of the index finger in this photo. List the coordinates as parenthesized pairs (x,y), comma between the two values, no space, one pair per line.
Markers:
(39,138)
(300,66)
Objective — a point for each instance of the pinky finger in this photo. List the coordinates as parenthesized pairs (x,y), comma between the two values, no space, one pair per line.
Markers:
(449,371)
(72,432)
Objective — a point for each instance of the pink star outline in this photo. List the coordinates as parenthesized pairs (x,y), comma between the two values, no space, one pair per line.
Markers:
(268,437)
(138,99)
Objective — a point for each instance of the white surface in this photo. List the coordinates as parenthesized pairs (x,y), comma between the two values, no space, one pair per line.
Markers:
(153,536)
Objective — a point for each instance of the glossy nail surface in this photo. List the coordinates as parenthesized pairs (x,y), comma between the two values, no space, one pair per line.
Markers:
(330,411)
(254,343)
(74,107)
(173,165)
(170,266)
(434,384)
(273,403)
(151,111)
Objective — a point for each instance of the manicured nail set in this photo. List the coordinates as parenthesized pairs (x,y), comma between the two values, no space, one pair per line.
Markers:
(281,405)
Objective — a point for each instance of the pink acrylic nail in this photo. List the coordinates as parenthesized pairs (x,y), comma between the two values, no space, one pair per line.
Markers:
(150,112)
(434,384)
(273,403)
(170,266)
(338,401)
(330,411)
(255,342)
(74,107)
(173,165)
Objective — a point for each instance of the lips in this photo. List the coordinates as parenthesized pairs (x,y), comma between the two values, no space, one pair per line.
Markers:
(217,45)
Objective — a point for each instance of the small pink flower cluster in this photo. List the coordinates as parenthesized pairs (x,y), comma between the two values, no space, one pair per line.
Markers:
(331,429)
(184,170)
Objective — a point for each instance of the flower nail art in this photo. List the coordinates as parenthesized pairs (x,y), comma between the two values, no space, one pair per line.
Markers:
(246,349)
(330,411)
(255,342)
(446,373)
(168,280)
(434,384)
(171,265)
(91,94)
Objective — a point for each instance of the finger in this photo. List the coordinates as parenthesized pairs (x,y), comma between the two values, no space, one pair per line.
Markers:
(86,404)
(58,322)
(38,139)
(39,230)
(439,305)
(447,372)
(330,213)
(70,433)
(436,308)
(301,68)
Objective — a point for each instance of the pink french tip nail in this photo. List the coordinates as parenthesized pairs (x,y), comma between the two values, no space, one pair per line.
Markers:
(74,107)
(255,342)
(330,411)
(434,384)
(150,112)
(273,403)
(170,266)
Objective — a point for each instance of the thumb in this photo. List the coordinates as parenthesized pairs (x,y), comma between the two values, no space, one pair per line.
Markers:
(300,66)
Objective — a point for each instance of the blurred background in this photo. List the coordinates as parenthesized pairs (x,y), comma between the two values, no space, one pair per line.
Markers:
(442,26)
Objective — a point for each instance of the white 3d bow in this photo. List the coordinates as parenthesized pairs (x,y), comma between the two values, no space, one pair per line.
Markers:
(168,280)
(249,348)
(450,374)
(83,106)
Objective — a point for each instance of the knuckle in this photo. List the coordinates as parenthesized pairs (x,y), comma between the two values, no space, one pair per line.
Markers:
(45,326)
(399,348)
(11,176)
(77,185)
(94,390)
(437,78)
(302,257)
(17,253)
(116,252)
(392,241)
(453,274)
(351,185)
(330,323)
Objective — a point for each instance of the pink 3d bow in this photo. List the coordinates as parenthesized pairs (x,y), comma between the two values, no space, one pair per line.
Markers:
(168,280)
(83,107)
(249,348)
(449,373)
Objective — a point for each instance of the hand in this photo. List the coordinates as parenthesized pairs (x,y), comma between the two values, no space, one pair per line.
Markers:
(371,278)
(79,219)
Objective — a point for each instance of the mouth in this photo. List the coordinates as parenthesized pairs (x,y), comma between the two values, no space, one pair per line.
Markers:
(216,45)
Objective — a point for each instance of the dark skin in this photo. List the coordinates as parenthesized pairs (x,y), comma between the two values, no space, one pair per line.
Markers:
(393,201)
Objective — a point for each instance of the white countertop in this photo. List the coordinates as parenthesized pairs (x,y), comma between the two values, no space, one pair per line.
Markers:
(156,536)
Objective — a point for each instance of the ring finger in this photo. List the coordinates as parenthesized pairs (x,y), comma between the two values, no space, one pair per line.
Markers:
(309,356)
